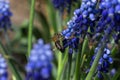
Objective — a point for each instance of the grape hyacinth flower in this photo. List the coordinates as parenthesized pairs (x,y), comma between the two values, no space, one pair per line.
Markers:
(3,69)
(63,4)
(5,14)
(113,72)
(110,17)
(39,66)
(71,43)
(101,17)
(104,62)
(83,17)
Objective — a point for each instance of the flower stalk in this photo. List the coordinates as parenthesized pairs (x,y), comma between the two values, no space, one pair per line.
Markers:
(31,26)
(95,63)
(77,69)
(61,66)
(69,65)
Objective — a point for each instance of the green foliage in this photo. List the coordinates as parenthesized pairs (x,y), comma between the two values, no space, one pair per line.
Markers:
(65,66)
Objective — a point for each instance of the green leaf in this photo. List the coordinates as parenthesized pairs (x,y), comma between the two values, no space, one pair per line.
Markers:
(45,26)
(52,16)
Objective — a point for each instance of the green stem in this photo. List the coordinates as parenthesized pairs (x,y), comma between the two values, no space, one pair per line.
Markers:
(59,61)
(59,21)
(51,16)
(95,63)
(10,63)
(73,65)
(77,69)
(84,47)
(31,26)
(83,60)
(61,66)
(69,65)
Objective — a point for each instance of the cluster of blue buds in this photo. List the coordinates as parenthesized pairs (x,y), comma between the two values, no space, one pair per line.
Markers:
(83,17)
(72,44)
(63,4)
(100,16)
(3,69)
(87,10)
(110,17)
(5,14)
(39,66)
(104,62)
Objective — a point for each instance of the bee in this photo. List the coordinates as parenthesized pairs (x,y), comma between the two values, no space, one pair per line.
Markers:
(57,38)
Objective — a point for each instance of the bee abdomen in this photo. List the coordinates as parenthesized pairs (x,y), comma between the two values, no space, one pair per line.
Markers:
(59,46)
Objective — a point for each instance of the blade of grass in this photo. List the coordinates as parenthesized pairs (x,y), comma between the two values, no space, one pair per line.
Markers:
(52,16)
(77,67)
(45,25)
(69,66)
(30,26)
(95,63)
(61,65)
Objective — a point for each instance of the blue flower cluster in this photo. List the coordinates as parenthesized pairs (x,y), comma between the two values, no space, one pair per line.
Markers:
(83,17)
(63,4)
(3,69)
(71,43)
(5,14)
(100,16)
(104,62)
(110,17)
(39,66)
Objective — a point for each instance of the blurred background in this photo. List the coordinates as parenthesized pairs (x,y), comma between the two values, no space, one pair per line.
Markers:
(20,10)
(47,21)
